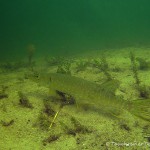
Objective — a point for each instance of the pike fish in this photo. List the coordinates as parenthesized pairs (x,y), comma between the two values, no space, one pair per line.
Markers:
(99,97)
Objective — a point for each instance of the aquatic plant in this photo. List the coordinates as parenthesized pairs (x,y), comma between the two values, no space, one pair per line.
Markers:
(64,68)
(141,88)
(54,61)
(65,99)
(13,66)
(50,139)
(143,64)
(146,131)
(7,66)
(31,50)
(103,66)
(75,127)
(31,74)
(134,68)
(116,69)
(144,91)
(78,127)
(43,121)
(48,116)
(82,65)
(124,126)
(3,93)
(23,100)
(7,123)
(48,108)
(68,130)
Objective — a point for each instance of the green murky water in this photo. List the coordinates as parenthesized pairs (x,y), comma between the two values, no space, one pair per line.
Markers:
(67,27)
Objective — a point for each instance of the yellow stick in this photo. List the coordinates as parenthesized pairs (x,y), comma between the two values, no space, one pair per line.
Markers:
(54,118)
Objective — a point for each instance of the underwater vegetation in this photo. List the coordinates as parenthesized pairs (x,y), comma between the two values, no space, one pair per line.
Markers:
(76,127)
(63,64)
(134,69)
(50,139)
(3,93)
(24,101)
(142,89)
(64,68)
(124,126)
(116,69)
(65,99)
(43,121)
(49,114)
(103,66)
(54,61)
(13,66)
(31,51)
(143,64)
(48,108)
(82,65)
(8,123)
(45,116)
(9,66)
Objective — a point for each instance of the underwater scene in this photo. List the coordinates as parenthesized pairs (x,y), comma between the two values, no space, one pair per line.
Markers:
(75,75)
